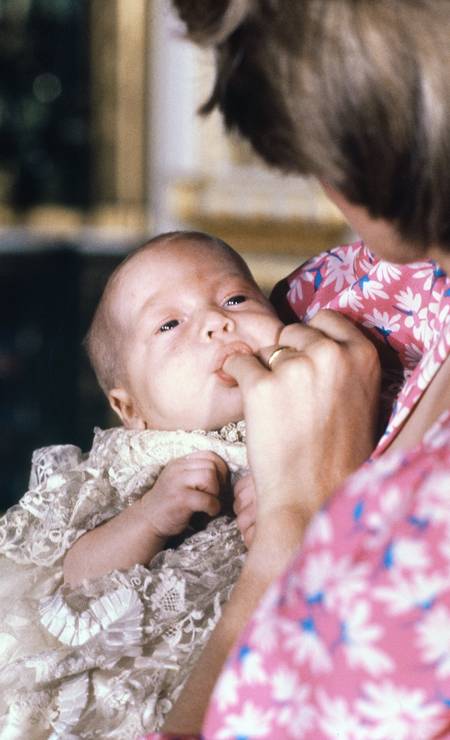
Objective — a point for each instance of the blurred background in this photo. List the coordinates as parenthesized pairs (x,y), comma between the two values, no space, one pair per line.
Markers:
(101,148)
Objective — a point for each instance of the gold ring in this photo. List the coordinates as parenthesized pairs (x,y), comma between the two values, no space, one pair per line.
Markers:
(274,354)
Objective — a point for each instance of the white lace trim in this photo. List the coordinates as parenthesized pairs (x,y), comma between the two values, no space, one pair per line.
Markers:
(108,659)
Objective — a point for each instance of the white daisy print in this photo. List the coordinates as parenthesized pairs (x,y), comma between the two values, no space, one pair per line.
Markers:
(383,322)
(298,716)
(359,637)
(434,639)
(225,693)
(396,712)
(408,301)
(351,299)
(340,269)
(306,646)
(386,272)
(251,722)
(338,720)
(410,592)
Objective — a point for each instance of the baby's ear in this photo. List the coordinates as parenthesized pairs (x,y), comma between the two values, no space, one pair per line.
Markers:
(124,405)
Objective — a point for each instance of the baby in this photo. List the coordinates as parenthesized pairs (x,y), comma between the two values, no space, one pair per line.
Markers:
(109,651)
(170,315)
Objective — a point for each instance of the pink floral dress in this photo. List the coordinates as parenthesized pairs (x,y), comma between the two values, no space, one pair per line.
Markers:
(353,642)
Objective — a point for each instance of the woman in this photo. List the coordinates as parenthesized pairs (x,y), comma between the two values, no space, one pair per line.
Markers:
(353,640)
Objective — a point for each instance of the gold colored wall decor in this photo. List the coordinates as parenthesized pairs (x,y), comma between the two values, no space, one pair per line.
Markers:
(74,131)
(119,59)
(223,187)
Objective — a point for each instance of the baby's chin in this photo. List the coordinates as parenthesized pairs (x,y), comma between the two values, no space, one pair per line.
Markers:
(216,423)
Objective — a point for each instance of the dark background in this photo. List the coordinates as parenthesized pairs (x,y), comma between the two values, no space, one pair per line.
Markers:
(48,394)
(48,287)
(44,102)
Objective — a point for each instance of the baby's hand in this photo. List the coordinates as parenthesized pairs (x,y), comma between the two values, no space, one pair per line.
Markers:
(245,507)
(186,485)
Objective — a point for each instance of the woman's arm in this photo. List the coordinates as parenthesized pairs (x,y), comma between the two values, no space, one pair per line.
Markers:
(310,423)
(267,559)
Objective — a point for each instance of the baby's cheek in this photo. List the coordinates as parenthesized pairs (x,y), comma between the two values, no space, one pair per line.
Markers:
(272,330)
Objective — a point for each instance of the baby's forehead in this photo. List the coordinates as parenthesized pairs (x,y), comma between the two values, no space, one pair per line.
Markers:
(146,269)
(177,256)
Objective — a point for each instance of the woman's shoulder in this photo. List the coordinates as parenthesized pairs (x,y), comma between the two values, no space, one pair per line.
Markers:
(317,281)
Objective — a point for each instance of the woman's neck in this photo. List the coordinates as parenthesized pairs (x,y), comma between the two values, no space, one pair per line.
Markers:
(381,236)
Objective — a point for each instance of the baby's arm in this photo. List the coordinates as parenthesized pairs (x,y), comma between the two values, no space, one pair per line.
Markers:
(186,485)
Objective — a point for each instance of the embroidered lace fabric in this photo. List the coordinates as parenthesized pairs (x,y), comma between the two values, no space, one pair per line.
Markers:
(107,659)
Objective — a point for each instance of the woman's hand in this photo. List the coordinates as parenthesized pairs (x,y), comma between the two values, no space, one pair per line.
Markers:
(310,422)
(245,507)
(311,417)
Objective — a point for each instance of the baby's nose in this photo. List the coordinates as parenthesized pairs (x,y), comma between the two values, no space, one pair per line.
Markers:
(217,322)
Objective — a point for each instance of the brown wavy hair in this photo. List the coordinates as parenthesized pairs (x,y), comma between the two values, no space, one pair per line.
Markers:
(356,92)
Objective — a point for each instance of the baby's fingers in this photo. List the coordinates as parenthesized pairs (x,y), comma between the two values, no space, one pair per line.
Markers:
(196,500)
(208,461)
(204,479)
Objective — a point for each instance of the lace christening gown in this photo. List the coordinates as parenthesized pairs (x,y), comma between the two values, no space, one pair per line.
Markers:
(108,658)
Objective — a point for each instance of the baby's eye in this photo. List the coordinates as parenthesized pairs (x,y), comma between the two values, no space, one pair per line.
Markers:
(235,299)
(169,325)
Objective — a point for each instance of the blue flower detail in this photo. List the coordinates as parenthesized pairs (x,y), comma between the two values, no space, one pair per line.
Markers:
(404,311)
(384,332)
(388,557)
(358,511)
(344,637)
(307,624)
(335,255)
(360,282)
(316,598)
(420,523)
(427,604)
(243,652)
(438,272)
(446,701)
(318,278)
(447,292)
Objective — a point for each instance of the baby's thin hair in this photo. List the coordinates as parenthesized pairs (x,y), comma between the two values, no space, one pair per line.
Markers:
(104,340)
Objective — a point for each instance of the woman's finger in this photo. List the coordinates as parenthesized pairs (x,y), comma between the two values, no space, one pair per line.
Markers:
(336,326)
(241,501)
(245,369)
(274,354)
(300,336)
(248,536)
(246,518)
(344,332)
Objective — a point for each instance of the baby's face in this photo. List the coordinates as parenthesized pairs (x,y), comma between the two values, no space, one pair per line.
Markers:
(183,311)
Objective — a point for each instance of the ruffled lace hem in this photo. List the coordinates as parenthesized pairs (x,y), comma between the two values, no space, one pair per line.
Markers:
(107,659)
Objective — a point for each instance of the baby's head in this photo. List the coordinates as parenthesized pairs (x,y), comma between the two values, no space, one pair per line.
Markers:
(170,314)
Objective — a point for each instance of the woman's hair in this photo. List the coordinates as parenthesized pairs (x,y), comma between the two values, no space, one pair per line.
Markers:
(356,92)
(105,339)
